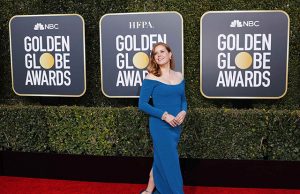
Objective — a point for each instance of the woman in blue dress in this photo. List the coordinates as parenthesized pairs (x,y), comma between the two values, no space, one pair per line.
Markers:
(166,114)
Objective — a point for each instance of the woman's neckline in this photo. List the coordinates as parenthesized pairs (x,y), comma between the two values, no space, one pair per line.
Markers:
(166,83)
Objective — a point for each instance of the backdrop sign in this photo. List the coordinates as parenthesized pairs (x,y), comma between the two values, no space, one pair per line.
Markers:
(48,55)
(244,54)
(126,41)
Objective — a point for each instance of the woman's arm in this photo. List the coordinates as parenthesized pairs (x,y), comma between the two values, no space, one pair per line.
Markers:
(183,97)
(183,101)
(146,92)
(181,115)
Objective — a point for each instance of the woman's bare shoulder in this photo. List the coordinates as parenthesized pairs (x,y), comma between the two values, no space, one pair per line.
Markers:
(151,76)
(179,75)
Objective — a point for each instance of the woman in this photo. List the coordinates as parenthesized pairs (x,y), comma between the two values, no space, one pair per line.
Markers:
(166,87)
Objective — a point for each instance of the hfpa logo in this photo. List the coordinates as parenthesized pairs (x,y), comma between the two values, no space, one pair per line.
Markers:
(239,24)
(39,26)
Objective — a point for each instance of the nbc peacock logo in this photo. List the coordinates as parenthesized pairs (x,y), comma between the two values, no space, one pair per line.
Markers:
(40,26)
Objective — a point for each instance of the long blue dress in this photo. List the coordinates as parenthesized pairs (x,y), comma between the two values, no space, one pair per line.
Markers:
(170,98)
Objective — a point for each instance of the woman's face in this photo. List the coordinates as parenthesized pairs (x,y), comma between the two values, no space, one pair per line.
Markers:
(161,55)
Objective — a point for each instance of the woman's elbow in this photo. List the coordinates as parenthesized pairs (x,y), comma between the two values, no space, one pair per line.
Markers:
(141,106)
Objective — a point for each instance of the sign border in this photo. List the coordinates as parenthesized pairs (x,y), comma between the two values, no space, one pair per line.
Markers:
(135,13)
(245,97)
(84,57)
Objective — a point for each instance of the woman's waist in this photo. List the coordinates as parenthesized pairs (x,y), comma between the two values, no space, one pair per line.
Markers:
(167,105)
(173,110)
(155,122)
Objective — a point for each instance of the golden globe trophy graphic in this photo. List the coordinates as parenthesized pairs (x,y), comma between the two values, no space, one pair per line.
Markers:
(48,55)
(245,55)
(243,60)
(140,60)
(126,41)
(47,61)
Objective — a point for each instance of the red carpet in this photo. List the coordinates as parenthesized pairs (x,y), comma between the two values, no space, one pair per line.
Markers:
(18,185)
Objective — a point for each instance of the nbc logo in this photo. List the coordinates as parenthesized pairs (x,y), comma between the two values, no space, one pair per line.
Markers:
(39,26)
(239,24)
(236,23)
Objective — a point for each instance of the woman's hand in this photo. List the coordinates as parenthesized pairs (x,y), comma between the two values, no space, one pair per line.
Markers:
(170,119)
(180,117)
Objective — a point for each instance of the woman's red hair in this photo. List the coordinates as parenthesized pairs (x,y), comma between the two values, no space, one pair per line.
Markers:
(153,67)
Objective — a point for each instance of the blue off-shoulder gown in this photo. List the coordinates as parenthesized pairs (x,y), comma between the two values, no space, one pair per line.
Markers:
(170,98)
